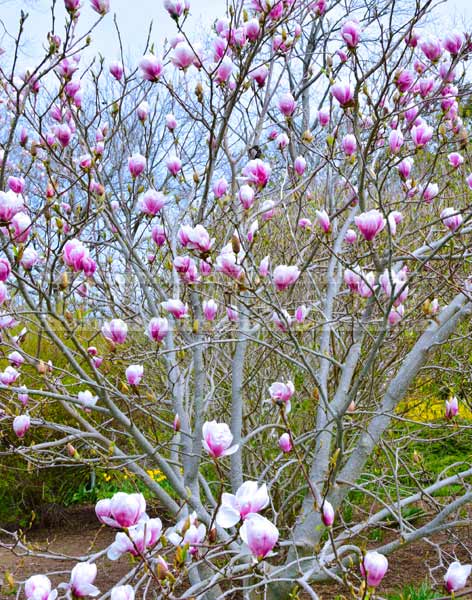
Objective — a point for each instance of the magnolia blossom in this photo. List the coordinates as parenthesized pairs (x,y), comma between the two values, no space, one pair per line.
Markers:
(100,6)
(217,439)
(287,104)
(421,134)
(373,568)
(227,263)
(122,510)
(324,115)
(431,48)
(285,276)
(81,580)
(301,313)
(183,56)
(370,223)
(299,165)
(246,196)
(404,167)
(455,159)
(5,269)
(351,33)
(285,444)
(15,359)
(430,192)
(173,164)
(152,202)
(38,587)
(21,424)
(9,376)
(220,187)
(327,513)
(349,144)
(136,164)
(134,374)
(249,499)
(396,314)
(122,592)
(10,204)
(87,399)
(195,238)
(452,407)
(137,540)
(171,122)
(176,307)
(21,227)
(151,67)
(115,330)
(350,237)
(281,393)
(257,172)
(158,329)
(456,576)
(176,8)
(188,531)
(282,321)
(395,141)
(451,218)
(116,69)
(323,220)
(259,534)
(343,92)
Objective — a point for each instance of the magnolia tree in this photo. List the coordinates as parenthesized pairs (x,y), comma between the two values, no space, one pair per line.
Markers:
(230,261)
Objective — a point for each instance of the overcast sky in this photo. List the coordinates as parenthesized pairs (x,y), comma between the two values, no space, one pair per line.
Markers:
(134,17)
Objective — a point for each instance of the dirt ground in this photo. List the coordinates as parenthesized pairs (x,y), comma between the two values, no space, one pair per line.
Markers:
(82,534)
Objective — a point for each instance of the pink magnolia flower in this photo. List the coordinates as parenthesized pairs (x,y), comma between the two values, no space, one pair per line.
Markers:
(430,192)
(226,263)
(195,238)
(115,330)
(351,33)
(15,359)
(183,56)
(122,510)
(176,423)
(16,184)
(100,6)
(373,568)
(421,134)
(412,38)
(10,204)
(366,285)
(151,67)
(3,292)
(176,8)
(451,218)
(282,141)
(21,424)
(249,499)
(224,70)
(210,308)
(349,144)
(393,219)
(305,223)
(395,141)
(287,104)
(259,75)
(38,587)
(63,134)
(343,92)
(143,110)
(257,172)
(452,42)
(21,227)
(282,321)
(285,443)
(350,237)
(173,164)
(404,80)
(122,592)
(116,69)
(322,219)
(455,159)
(281,393)
(158,235)
(301,313)
(232,314)
(404,168)
(220,187)
(23,395)
(5,269)
(285,276)
(188,531)
(152,202)
(327,513)
(426,86)
(246,196)
(259,534)
(431,48)
(9,376)
(452,407)
(81,580)
(176,308)
(324,115)
(456,576)
(396,314)
(299,165)
(134,374)
(158,329)
(253,29)
(171,122)
(137,540)
(217,439)
(136,164)
(370,223)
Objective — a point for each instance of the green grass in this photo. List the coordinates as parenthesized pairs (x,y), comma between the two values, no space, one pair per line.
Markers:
(409,592)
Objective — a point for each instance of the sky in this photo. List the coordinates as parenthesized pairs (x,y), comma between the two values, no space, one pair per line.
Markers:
(133,18)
